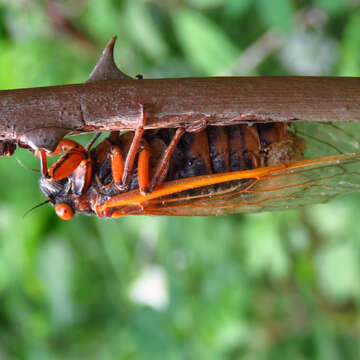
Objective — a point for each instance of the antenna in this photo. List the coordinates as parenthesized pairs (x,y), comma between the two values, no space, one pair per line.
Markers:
(35,207)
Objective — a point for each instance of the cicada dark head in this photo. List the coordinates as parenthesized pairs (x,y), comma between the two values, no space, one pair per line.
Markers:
(58,194)
(64,199)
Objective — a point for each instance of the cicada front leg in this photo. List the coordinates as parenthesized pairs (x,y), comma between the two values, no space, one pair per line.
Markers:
(131,155)
(118,167)
(75,162)
(122,169)
(74,154)
(146,182)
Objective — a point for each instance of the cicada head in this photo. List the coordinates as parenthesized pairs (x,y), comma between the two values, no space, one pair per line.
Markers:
(58,193)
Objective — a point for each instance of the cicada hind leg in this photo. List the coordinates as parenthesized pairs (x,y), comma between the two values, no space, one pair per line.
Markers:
(122,170)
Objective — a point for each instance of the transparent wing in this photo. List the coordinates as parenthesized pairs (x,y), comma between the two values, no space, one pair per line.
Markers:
(331,168)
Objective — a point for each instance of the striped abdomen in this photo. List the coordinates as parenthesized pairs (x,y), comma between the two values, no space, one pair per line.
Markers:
(219,149)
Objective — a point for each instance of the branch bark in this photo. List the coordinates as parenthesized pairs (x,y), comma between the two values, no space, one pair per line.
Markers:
(110,100)
(190,102)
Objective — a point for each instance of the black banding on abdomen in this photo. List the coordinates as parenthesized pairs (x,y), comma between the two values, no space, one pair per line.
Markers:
(218,148)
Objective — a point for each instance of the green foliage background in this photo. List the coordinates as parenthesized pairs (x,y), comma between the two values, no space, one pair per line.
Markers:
(279,285)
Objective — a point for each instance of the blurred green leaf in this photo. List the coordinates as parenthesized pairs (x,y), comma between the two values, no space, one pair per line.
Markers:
(143,30)
(277,14)
(205,45)
(343,287)
(103,20)
(333,7)
(3,28)
(7,70)
(46,64)
(56,268)
(203,4)
(236,8)
(264,250)
(349,64)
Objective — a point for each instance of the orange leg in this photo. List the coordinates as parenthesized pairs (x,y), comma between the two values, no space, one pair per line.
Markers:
(65,166)
(74,154)
(117,168)
(145,185)
(75,162)
(134,147)
(66,145)
(43,162)
(119,171)
(163,166)
(117,165)
(143,171)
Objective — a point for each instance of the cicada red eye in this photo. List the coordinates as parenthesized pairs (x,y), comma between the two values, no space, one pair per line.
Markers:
(64,211)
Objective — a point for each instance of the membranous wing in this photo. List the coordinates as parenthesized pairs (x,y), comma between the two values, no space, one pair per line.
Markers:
(331,167)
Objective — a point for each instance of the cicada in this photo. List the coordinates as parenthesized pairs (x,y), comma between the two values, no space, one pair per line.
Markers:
(215,171)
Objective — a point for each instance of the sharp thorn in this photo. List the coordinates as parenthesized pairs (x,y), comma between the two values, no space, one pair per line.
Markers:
(106,69)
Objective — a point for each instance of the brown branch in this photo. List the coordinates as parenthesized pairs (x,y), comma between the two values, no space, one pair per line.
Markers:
(41,116)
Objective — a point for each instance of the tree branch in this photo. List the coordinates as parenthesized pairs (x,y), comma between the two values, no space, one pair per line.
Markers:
(39,117)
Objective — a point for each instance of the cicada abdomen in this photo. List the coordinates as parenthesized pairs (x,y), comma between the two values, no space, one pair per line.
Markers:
(210,153)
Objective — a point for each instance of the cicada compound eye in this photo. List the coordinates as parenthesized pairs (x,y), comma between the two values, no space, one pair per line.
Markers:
(64,211)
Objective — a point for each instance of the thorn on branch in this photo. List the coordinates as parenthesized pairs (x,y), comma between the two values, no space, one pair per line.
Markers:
(106,69)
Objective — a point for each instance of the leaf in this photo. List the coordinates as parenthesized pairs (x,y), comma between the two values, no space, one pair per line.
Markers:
(144,31)
(333,7)
(203,4)
(277,13)
(350,50)
(343,287)
(3,28)
(236,8)
(101,20)
(205,44)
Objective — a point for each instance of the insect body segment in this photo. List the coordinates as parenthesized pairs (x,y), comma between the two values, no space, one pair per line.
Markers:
(154,171)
